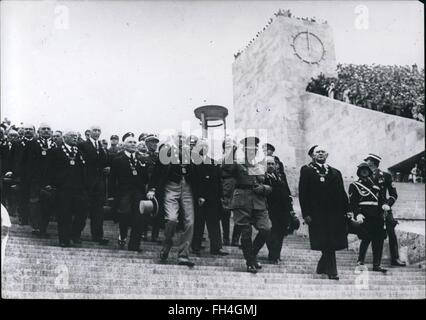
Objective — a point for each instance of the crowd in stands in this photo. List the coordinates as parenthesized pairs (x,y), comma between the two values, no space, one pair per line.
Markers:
(391,89)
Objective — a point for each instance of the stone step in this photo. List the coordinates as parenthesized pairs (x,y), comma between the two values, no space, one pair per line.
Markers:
(144,278)
(153,258)
(287,253)
(46,267)
(160,282)
(208,292)
(32,266)
(220,295)
(148,246)
(150,266)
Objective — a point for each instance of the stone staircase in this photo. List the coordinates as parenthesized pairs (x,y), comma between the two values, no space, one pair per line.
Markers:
(39,268)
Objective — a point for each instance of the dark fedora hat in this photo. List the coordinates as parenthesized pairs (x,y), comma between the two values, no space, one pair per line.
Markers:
(149,207)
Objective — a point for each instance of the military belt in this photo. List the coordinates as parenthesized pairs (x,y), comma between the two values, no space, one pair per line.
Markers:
(368,203)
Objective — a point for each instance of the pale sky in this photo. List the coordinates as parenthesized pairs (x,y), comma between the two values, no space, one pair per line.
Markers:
(144,66)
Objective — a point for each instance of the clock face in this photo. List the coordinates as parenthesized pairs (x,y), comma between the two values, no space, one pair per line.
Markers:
(308,47)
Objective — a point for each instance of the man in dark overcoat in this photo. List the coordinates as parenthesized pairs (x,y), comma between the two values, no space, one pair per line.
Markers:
(67,176)
(128,183)
(208,206)
(324,205)
(96,165)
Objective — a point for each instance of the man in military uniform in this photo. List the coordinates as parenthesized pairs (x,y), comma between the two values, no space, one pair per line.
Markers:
(384,181)
(113,149)
(365,202)
(249,202)
(229,147)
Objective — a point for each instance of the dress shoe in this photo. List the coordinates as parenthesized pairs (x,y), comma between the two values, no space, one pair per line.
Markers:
(234,244)
(23,222)
(251,268)
(44,235)
(64,244)
(135,250)
(164,254)
(333,277)
(185,262)
(220,252)
(380,269)
(196,252)
(155,240)
(102,242)
(35,232)
(398,263)
(76,241)
(360,263)
(274,261)
(121,243)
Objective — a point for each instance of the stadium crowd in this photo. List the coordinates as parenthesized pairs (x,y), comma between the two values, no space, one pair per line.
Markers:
(148,185)
(397,90)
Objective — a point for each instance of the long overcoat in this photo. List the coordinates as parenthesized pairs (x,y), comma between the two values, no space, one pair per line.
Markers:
(327,204)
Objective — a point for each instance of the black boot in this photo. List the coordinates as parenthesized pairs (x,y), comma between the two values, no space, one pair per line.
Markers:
(236,233)
(363,247)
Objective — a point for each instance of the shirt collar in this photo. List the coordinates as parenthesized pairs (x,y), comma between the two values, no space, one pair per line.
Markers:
(94,142)
(68,146)
(128,154)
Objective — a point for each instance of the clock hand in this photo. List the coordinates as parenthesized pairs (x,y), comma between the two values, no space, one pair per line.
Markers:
(307,38)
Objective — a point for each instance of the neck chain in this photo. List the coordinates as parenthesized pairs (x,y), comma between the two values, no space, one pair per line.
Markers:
(45,145)
(133,163)
(322,175)
(72,156)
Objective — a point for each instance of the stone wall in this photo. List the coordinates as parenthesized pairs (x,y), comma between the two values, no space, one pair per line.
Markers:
(350,133)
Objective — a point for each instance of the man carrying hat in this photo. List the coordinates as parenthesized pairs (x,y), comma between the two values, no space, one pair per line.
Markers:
(324,205)
(365,201)
(128,182)
(384,181)
(9,157)
(249,202)
(150,160)
(173,182)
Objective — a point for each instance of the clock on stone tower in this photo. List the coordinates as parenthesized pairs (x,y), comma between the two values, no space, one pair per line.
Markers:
(308,47)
